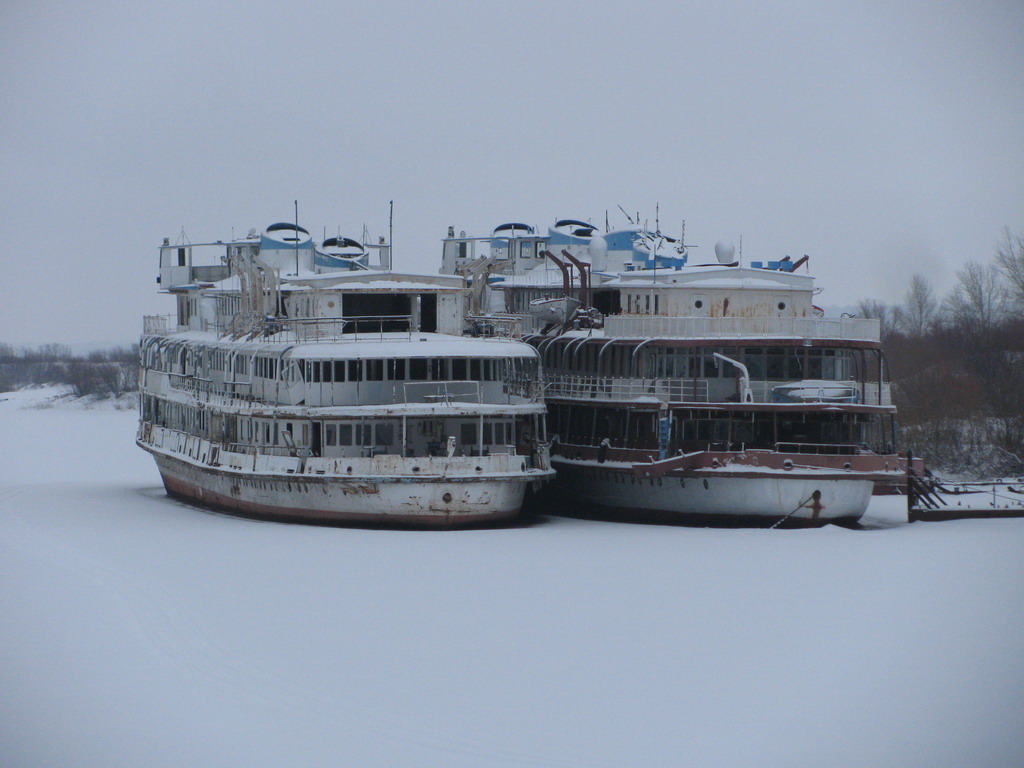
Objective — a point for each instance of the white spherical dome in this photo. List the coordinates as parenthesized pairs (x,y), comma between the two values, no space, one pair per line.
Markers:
(725,251)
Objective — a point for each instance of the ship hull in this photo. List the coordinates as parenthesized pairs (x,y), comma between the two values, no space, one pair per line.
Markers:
(748,498)
(428,502)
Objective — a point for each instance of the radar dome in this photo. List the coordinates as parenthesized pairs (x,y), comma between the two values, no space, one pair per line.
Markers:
(725,251)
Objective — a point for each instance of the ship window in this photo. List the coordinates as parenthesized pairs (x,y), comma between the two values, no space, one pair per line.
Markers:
(330,434)
(831,367)
(467,434)
(814,366)
(459,369)
(396,370)
(374,370)
(339,370)
(385,433)
(355,370)
(418,369)
(713,367)
(344,434)
(364,434)
(753,358)
(475,372)
(795,364)
(328,370)
(437,367)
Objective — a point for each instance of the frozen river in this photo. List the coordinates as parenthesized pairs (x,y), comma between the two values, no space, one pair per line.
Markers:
(138,631)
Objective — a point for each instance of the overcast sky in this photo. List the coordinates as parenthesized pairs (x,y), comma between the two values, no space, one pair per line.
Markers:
(881,138)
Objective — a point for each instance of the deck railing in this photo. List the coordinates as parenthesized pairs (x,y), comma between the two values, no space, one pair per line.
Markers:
(442,391)
(159,324)
(241,390)
(501,326)
(646,326)
(313,329)
(297,329)
(676,390)
(608,388)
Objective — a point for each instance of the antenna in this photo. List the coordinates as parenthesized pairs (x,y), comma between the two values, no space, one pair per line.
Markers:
(628,216)
(296,238)
(657,223)
(391,236)
(606,227)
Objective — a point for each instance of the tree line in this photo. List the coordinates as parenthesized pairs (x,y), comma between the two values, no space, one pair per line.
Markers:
(105,373)
(957,365)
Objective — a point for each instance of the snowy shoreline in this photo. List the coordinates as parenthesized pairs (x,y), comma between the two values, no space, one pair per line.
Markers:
(141,631)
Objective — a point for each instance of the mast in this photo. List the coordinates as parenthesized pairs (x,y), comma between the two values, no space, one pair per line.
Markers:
(296,238)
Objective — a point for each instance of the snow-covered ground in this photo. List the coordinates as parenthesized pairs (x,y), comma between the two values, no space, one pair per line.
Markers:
(137,631)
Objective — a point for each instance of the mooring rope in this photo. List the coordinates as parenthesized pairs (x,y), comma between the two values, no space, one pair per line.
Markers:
(783,519)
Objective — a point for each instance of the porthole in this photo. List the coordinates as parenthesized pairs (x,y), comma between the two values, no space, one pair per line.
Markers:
(698,303)
(782,305)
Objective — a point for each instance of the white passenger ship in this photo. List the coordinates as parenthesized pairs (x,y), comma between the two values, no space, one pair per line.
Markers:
(301,383)
(689,391)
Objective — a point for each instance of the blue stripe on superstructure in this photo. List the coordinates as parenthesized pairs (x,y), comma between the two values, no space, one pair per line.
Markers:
(335,262)
(561,238)
(269,244)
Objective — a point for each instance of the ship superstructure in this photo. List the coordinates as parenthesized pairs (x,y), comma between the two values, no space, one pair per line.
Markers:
(683,389)
(302,382)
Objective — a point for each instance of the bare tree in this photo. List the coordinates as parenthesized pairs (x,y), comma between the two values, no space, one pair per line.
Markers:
(889,317)
(1010,261)
(978,300)
(921,307)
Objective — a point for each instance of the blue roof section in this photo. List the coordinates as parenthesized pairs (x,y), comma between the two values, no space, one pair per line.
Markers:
(271,244)
(339,262)
(514,229)
(633,240)
(621,239)
(283,226)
